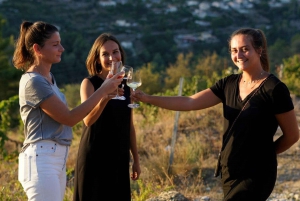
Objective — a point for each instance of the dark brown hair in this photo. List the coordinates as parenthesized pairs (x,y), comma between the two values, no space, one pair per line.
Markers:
(30,34)
(92,65)
(258,41)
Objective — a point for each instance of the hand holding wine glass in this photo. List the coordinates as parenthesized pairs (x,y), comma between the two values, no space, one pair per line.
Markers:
(111,82)
(134,80)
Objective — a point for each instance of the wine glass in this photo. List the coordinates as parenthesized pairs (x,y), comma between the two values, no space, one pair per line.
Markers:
(134,80)
(126,69)
(116,67)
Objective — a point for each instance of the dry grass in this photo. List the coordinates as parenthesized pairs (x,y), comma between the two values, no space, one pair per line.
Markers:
(195,150)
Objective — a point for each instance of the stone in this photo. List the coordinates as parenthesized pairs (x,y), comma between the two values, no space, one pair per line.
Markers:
(169,196)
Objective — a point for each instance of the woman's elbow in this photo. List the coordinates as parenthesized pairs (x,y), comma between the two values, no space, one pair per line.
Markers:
(87,123)
(70,121)
(71,124)
(296,138)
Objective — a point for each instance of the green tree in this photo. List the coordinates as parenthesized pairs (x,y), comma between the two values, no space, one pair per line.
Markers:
(72,67)
(279,50)
(9,119)
(295,44)
(9,76)
(181,68)
(291,73)
(209,63)
(152,81)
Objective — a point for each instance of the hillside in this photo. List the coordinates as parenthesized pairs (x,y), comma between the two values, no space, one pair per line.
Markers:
(155,30)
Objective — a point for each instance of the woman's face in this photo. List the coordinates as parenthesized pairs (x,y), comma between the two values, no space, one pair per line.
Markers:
(109,52)
(52,50)
(243,53)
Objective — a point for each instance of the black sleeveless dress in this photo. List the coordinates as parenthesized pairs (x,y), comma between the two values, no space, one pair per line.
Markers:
(102,166)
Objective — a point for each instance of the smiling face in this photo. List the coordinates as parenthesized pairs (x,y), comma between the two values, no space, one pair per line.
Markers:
(243,53)
(52,50)
(109,52)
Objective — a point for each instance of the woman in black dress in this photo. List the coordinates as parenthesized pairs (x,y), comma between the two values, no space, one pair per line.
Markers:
(248,161)
(108,136)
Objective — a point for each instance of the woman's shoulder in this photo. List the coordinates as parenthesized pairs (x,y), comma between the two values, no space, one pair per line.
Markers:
(226,84)
(96,81)
(274,84)
(272,78)
(33,79)
(273,81)
(94,78)
(232,78)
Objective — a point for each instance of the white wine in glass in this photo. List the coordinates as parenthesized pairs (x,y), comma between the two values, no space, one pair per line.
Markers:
(134,80)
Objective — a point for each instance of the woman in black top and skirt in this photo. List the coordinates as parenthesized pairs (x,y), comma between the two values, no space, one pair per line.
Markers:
(248,161)
(108,136)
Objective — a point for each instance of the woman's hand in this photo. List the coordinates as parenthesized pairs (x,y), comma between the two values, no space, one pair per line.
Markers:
(112,82)
(136,171)
(138,95)
(114,93)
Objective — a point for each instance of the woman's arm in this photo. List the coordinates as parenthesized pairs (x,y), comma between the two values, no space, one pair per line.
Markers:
(57,110)
(136,170)
(289,126)
(198,101)
(86,90)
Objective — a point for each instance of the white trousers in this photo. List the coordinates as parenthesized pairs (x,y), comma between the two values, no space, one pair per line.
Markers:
(42,171)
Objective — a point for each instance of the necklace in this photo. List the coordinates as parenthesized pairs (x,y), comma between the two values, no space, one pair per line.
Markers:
(253,83)
(48,77)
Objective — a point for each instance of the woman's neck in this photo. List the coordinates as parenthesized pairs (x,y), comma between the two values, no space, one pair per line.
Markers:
(103,74)
(42,71)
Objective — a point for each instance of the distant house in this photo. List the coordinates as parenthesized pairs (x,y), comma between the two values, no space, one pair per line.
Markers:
(220,5)
(171,9)
(192,3)
(188,38)
(241,6)
(202,23)
(208,37)
(122,23)
(203,6)
(204,10)
(185,40)
(127,44)
(107,3)
(199,13)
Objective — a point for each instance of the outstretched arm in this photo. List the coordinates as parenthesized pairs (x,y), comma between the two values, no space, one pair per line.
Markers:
(198,101)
